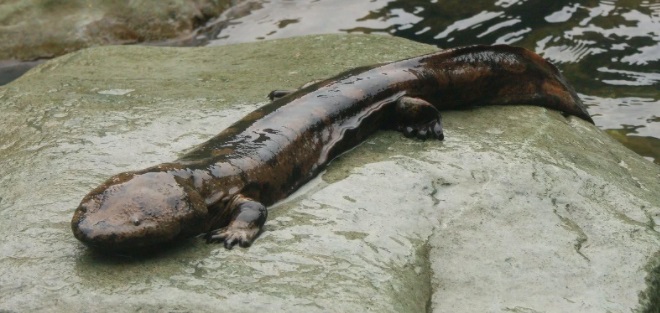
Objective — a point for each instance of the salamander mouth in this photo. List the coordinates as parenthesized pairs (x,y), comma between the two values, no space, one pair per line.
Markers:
(105,237)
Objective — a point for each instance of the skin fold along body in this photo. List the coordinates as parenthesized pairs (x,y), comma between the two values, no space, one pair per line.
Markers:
(222,187)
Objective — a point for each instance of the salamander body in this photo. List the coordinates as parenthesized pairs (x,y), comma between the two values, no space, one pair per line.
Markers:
(223,186)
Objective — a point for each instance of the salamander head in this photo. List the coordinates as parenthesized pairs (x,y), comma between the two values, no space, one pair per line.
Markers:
(136,210)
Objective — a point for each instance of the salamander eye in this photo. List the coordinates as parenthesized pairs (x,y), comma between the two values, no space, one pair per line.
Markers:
(136,221)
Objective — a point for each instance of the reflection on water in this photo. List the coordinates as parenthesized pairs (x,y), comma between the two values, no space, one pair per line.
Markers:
(609,50)
(281,19)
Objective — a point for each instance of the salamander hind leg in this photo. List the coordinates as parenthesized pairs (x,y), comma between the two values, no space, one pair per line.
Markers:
(247,221)
(416,117)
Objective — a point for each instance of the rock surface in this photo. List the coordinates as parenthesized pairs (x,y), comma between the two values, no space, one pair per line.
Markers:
(32,29)
(518,210)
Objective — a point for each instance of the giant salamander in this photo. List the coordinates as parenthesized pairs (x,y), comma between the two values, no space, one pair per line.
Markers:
(222,187)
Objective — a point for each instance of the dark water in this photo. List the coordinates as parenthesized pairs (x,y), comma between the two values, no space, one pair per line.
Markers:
(609,50)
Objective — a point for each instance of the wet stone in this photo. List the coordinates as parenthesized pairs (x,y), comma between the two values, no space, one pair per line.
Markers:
(518,210)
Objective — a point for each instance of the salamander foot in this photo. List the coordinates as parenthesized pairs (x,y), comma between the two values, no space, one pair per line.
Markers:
(248,218)
(432,129)
(418,118)
(238,232)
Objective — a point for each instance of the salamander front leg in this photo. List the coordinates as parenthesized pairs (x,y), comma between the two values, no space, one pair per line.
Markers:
(248,218)
(279,93)
(416,117)
(276,94)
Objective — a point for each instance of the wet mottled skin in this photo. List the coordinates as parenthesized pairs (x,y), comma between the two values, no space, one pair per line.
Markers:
(222,187)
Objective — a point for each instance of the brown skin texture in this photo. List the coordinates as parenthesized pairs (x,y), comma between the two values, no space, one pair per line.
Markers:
(222,188)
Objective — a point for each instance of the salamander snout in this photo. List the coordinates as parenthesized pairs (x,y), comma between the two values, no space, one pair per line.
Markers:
(137,211)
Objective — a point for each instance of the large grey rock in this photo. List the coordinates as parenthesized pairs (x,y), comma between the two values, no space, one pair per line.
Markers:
(518,210)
